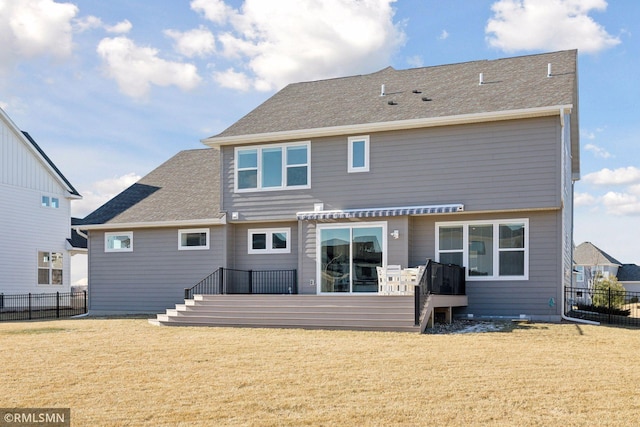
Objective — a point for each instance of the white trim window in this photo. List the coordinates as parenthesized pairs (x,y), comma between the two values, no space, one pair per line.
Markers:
(490,250)
(358,154)
(193,239)
(273,167)
(120,241)
(269,240)
(50,268)
(50,202)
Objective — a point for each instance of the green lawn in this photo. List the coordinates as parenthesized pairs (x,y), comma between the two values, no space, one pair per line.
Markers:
(125,372)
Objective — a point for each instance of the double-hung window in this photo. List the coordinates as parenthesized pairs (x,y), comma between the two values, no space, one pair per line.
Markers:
(50,268)
(273,167)
(269,241)
(493,250)
(358,154)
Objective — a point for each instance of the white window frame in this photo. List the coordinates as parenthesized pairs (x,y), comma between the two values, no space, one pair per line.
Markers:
(128,234)
(580,273)
(350,167)
(189,231)
(284,186)
(269,232)
(50,268)
(496,247)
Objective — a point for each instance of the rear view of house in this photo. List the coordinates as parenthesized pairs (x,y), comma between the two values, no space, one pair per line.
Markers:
(35,216)
(469,164)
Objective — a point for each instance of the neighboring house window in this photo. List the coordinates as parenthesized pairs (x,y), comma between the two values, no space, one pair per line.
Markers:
(580,273)
(488,249)
(269,241)
(50,202)
(50,268)
(273,167)
(118,242)
(358,154)
(193,239)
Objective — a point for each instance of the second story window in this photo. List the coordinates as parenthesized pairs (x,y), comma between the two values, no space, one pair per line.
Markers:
(358,154)
(272,167)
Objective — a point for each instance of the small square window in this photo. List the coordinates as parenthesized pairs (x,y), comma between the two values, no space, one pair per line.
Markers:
(193,239)
(118,242)
(55,203)
(45,201)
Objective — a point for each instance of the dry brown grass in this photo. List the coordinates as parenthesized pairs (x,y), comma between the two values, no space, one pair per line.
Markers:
(125,372)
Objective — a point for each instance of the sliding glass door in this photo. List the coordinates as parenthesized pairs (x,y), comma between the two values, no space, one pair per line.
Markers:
(348,257)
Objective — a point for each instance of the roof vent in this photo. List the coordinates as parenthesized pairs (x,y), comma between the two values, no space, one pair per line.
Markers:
(392,103)
(481,79)
(549,69)
(382,90)
(417,91)
(424,98)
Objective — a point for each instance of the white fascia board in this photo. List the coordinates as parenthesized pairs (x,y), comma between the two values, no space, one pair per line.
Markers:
(389,126)
(152,224)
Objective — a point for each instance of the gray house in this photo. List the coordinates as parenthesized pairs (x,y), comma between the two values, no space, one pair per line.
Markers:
(590,261)
(470,164)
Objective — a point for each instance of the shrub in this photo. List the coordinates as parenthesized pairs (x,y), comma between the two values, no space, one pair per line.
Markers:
(608,292)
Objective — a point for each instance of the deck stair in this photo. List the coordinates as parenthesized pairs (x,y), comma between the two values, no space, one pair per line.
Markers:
(350,312)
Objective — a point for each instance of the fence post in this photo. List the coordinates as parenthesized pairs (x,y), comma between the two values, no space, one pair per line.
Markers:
(222,284)
(416,304)
(85,301)
(250,281)
(610,308)
(29,305)
(57,305)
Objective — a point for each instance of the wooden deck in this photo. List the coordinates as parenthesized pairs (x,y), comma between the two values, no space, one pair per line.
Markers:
(350,312)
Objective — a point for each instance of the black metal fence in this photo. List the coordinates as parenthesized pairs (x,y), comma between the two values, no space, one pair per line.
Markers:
(231,281)
(42,306)
(603,305)
(438,279)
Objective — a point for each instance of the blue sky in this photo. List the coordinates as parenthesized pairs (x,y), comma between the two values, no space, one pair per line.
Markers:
(112,89)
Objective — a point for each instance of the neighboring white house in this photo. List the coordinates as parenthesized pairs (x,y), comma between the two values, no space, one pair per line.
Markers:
(35,216)
(590,260)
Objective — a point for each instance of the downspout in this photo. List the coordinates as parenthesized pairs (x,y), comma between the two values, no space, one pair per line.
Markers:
(563,316)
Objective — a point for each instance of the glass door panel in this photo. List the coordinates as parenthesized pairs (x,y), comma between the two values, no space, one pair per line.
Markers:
(335,274)
(366,256)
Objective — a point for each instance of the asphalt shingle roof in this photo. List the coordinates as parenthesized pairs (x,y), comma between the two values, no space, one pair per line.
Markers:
(509,84)
(589,254)
(185,187)
(629,273)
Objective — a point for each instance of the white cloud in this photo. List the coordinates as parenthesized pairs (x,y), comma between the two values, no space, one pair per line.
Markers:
(120,28)
(598,151)
(135,68)
(30,28)
(584,199)
(443,35)
(621,203)
(197,42)
(100,192)
(281,42)
(415,61)
(213,10)
(232,80)
(547,25)
(620,176)
(87,23)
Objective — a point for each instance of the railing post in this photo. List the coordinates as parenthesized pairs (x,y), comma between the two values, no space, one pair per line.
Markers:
(416,304)
(85,300)
(57,305)
(186,293)
(222,284)
(250,281)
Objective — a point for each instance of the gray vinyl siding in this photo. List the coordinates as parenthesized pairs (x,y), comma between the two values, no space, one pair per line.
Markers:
(507,298)
(487,166)
(153,277)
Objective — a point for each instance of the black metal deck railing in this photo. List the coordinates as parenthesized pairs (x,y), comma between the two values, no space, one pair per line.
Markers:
(232,281)
(42,306)
(603,305)
(438,279)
